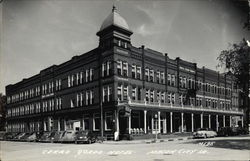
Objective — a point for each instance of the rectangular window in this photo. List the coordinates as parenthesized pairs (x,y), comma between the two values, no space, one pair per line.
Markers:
(173,80)
(60,103)
(169,97)
(59,84)
(119,67)
(81,77)
(163,97)
(105,94)
(108,121)
(158,76)
(125,69)
(91,73)
(69,81)
(152,96)
(173,98)
(134,93)
(169,79)
(91,97)
(108,68)
(152,75)
(72,80)
(72,103)
(110,93)
(77,78)
(147,74)
(138,93)
(162,77)
(147,95)
(96,122)
(158,96)
(119,92)
(104,71)
(87,75)
(180,82)
(184,82)
(133,71)
(138,72)
(56,85)
(125,92)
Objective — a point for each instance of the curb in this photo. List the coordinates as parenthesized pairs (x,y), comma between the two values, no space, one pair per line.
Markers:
(148,141)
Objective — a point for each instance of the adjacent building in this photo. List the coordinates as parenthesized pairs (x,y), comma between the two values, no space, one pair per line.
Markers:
(119,87)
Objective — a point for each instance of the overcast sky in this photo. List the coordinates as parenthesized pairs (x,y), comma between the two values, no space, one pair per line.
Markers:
(39,33)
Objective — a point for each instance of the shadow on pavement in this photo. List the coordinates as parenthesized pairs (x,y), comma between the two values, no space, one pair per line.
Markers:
(237,144)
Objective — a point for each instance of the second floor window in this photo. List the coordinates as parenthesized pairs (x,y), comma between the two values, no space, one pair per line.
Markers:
(122,92)
(173,80)
(169,79)
(147,74)
(151,75)
(122,68)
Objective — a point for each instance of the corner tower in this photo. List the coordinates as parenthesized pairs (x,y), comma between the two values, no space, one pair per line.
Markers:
(114,31)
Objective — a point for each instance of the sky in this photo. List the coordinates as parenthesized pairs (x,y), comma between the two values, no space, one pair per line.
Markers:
(36,34)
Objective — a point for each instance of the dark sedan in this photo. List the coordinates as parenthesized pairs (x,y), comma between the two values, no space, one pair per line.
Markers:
(85,137)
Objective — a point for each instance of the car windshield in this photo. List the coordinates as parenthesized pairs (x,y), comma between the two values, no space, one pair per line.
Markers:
(83,132)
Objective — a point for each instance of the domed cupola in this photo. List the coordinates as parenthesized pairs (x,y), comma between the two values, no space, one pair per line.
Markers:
(114,31)
(115,19)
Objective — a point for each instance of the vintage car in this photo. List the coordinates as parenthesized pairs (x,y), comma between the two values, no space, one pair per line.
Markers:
(85,136)
(18,136)
(68,136)
(25,136)
(45,137)
(225,131)
(32,137)
(10,136)
(56,136)
(204,133)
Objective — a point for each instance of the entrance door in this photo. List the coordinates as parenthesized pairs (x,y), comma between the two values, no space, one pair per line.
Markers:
(123,125)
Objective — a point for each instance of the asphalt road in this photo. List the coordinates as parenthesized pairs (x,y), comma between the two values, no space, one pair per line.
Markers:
(221,148)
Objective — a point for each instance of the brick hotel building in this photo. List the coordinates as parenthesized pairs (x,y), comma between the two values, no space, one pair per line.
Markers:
(119,87)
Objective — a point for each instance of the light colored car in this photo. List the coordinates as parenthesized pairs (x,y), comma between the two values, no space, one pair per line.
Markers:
(68,136)
(32,137)
(204,133)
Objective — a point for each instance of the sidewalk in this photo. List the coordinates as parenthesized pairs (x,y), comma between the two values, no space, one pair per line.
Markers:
(149,141)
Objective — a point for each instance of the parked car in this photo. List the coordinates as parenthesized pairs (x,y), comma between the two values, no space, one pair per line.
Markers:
(225,131)
(24,137)
(32,137)
(2,133)
(239,131)
(204,133)
(39,134)
(68,136)
(56,136)
(45,137)
(9,136)
(85,136)
(18,136)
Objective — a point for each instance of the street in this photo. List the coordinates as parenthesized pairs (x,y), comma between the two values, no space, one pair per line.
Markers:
(220,148)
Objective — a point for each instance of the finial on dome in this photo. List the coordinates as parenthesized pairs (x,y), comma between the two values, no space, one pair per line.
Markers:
(114,8)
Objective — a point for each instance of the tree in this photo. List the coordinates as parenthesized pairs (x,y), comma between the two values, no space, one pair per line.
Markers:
(236,61)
